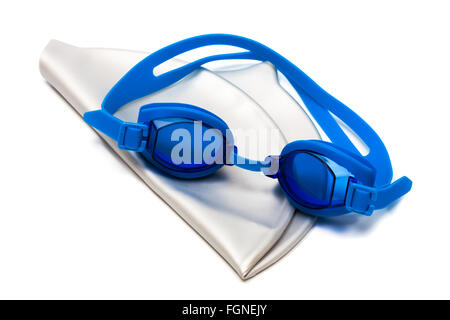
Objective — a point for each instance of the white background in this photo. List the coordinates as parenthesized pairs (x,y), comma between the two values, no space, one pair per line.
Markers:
(69,230)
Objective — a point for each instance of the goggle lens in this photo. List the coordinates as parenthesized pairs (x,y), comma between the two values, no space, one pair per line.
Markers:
(313,180)
(185,145)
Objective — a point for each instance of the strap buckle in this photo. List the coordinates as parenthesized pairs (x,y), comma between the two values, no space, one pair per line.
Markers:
(132,136)
(361,199)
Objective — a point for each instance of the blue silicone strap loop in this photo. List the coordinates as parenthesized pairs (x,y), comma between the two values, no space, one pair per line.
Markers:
(141,81)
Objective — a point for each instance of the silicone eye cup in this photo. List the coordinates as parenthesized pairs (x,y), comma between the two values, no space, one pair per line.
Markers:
(185,141)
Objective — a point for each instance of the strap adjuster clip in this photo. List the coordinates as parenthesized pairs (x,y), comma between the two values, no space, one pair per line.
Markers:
(133,136)
(361,199)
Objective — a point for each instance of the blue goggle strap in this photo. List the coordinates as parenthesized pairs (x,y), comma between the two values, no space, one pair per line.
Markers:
(141,81)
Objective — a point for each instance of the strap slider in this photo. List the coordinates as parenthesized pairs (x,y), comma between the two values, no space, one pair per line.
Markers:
(361,199)
(132,136)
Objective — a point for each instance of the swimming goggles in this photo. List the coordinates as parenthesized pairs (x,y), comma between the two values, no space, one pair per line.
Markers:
(319,178)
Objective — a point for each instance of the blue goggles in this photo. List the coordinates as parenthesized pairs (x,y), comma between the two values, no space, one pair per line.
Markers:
(319,178)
